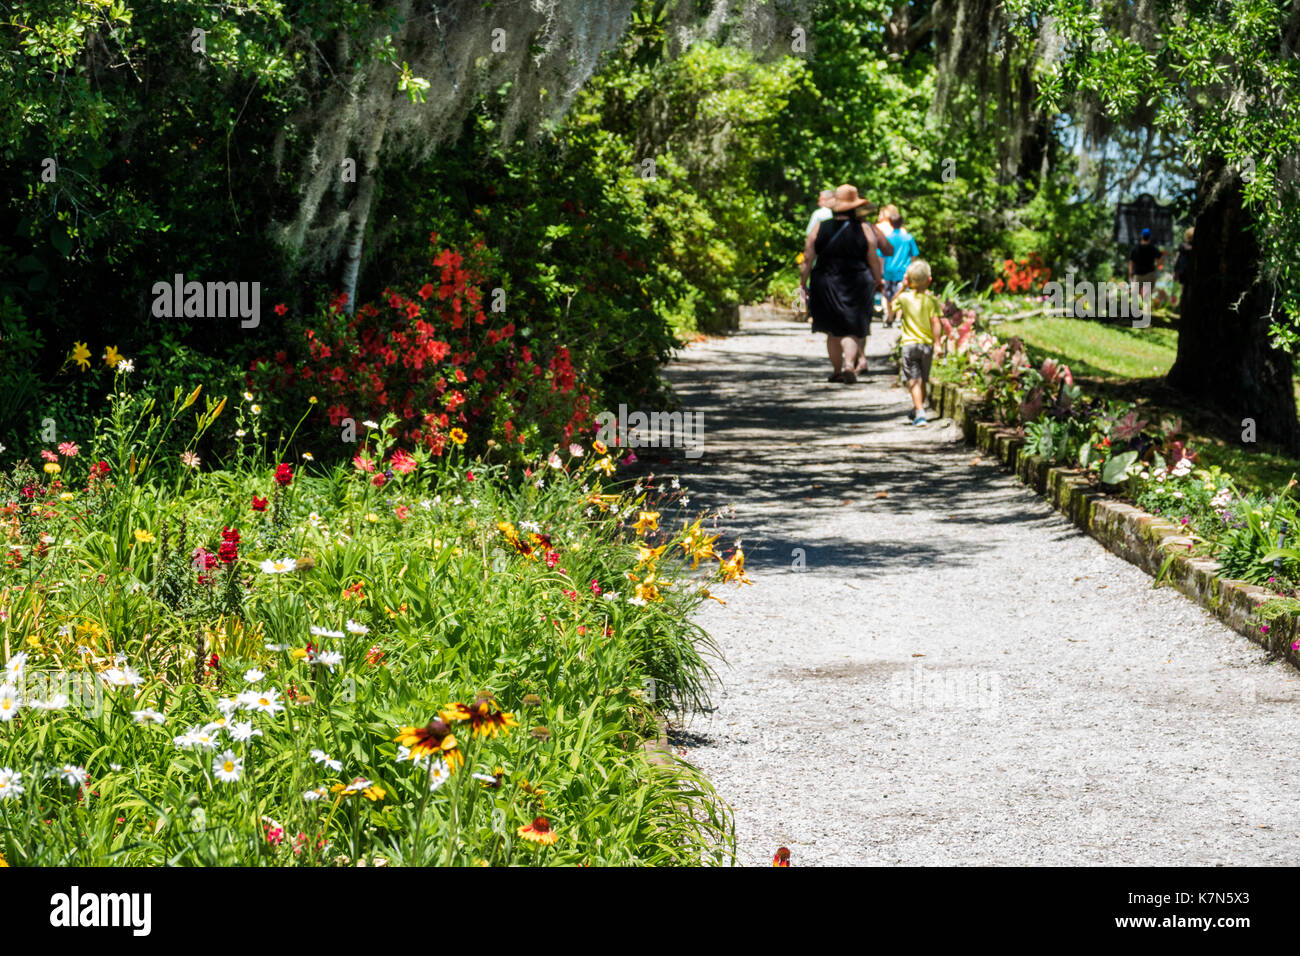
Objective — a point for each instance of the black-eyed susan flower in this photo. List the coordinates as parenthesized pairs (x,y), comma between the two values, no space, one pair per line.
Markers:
(482,715)
(599,447)
(458,436)
(532,700)
(540,733)
(781,857)
(539,831)
(435,739)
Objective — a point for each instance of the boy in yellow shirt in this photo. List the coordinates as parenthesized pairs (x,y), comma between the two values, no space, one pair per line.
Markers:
(919,311)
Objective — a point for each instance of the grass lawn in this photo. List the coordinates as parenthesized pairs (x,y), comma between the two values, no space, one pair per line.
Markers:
(1097,350)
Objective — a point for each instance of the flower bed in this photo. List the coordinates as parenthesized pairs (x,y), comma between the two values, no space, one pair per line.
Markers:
(408,660)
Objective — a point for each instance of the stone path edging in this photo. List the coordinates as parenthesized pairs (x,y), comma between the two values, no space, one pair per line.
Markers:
(1140,538)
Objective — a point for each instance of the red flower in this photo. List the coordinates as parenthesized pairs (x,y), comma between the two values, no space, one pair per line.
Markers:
(281,309)
(259,504)
(469,476)
(229,550)
(379,481)
(284,474)
(426,290)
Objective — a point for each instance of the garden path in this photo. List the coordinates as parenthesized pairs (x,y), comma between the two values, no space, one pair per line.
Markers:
(957,675)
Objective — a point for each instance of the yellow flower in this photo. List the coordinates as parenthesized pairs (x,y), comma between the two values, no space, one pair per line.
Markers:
(67,496)
(649,521)
(458,436)
(112,356)
(81,355)
(51,468)
(647,588)
(733,568)
(298,653)
(144,537)
(799,258)
(312,400)
(646,555)
(374,793)
(697,544)
(605,465)
(372,517)
(192,397)
(599,447)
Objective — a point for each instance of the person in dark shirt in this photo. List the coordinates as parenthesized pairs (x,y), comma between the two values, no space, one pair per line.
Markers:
(1143,262)
(1145,258)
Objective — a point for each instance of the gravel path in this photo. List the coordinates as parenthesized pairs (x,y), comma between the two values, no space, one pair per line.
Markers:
(956,675)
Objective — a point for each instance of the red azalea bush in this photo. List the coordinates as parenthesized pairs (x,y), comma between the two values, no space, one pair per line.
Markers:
(450,370)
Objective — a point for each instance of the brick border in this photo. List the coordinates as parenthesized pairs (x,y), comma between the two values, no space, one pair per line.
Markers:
(1129,532)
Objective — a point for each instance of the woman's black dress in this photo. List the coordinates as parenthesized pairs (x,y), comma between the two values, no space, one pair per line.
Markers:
(840,287)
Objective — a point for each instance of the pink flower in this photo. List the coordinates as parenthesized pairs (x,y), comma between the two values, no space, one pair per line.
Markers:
(402,463)
(595,587)
(631,457)
(552,559)
(69,448)
(363,464)
(49,455)
(402,512)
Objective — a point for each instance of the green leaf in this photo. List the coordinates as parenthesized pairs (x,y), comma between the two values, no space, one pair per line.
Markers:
(1113,472)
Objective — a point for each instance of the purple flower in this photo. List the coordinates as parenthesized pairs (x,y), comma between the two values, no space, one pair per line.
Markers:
(1263,629)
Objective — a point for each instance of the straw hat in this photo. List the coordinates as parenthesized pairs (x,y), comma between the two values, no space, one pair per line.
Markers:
(846,198)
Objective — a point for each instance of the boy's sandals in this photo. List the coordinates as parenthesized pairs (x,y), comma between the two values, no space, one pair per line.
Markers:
(847,377)
(836,377)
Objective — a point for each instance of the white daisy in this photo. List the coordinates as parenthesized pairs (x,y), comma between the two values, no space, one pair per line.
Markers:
(262,701)
(243,731)
(357,785)
(248,396)
(121,677)
(307,456)
(439,773)
(355,628)
(330,659)
(57,702)
(188,739)
(10,702)
(115,766)
(282,566)
(369,424)
(215,727)
(253,675)
(240,432)
(636,601)
(322,757)
(276,648)
(676,484)
(322,632)
(148,715)
(610,595)
(16,665)
(311,796)
(11,784)
(72,775)
(532,526)
(227,767)
(126,366)
(227,706)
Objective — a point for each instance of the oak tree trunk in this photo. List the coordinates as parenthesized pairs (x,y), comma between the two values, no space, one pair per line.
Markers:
(1225,358)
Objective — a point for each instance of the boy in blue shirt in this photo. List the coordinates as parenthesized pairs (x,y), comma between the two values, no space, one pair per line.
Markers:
(905,250)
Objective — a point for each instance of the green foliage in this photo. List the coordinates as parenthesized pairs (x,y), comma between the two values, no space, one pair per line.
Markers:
(355,609)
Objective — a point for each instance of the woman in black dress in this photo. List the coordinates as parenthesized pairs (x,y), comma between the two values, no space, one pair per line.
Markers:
(843,281)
